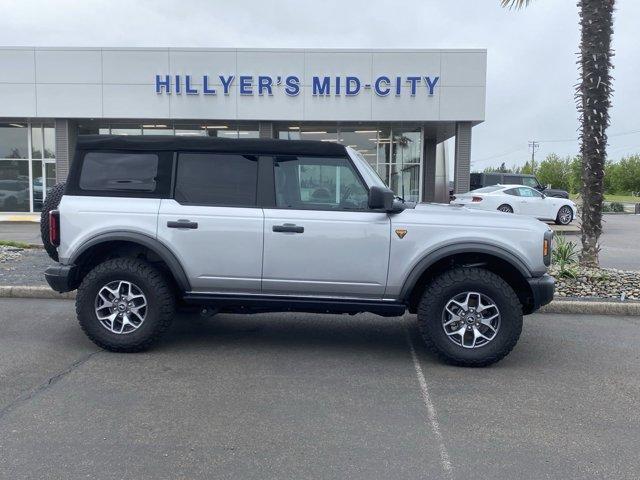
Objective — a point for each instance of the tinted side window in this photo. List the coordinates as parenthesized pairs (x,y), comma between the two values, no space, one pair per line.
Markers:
(216,179)
(491,179)
(513,191)
(115,171)
(528,192)
(512,180)
(318,183)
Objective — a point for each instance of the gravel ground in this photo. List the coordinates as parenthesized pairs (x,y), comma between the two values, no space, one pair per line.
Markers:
(599,282)
(23,267)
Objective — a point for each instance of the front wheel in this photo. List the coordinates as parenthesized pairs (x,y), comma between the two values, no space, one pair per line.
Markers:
(470,317)
(125,305)
(505,208)
(565,216)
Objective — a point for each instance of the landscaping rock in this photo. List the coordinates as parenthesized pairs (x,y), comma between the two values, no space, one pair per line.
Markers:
(598,282)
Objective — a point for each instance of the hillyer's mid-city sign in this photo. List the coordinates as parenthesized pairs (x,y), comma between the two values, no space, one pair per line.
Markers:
(291,84)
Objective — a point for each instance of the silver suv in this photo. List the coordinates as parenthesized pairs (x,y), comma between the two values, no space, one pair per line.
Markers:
(147,224)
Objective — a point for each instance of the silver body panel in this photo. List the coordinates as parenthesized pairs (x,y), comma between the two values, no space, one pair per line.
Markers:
(341,254)
(224,254)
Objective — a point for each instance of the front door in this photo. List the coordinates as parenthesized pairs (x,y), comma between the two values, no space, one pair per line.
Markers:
(321,239)
(532,202)
(213,224)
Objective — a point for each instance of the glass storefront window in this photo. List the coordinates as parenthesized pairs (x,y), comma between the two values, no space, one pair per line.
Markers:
(364,140)
(322,133)
(14,185)
(291,132)
(14,142)
(37,185)
(248,130)
(157,129)
(122,129)
(37,144)
(49,133)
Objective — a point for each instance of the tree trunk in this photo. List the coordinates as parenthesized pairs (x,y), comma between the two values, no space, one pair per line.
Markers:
(593,98)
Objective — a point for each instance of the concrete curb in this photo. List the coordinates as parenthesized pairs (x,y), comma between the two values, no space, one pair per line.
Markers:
(33,292)
(592,307)
(588,307)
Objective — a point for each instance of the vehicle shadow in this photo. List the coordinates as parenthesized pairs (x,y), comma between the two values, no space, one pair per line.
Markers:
(282,331)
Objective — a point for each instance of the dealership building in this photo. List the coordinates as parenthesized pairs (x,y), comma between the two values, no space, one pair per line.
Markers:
(397,107)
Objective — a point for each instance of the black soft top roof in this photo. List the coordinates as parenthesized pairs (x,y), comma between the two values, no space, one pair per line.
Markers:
(225,145)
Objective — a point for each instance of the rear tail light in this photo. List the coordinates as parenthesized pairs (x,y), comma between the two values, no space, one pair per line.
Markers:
(54,228)
(476,199)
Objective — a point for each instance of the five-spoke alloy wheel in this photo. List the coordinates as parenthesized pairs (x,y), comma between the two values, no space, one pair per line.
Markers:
(471,319)
(121,307)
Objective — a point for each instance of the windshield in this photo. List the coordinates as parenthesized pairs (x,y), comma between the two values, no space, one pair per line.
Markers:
(367,171)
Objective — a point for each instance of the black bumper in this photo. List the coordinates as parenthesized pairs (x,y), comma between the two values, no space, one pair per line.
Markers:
(62,278)
(542,289)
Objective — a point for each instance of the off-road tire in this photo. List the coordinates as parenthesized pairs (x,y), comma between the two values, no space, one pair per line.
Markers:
(51,202)
(453,282)
(505,208)
(154,285)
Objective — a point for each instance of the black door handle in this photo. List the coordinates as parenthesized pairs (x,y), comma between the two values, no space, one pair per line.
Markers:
(182,223)
(288,227)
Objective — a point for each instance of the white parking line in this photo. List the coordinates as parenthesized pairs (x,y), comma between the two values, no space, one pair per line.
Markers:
(432,415)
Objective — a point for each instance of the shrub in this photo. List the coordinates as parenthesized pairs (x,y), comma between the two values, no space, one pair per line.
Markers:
(565,256)
(615,207)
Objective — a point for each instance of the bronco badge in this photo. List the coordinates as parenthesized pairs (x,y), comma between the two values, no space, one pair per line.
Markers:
(401,232)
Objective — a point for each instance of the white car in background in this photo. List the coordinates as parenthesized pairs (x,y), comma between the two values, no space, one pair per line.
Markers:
(519,199)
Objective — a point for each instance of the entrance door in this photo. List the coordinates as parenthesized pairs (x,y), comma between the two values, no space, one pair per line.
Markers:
(213,225)
(321,239)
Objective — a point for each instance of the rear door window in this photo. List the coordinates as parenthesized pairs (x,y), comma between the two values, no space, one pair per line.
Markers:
(512,180)
(119,172)
(491,179)
(216,179)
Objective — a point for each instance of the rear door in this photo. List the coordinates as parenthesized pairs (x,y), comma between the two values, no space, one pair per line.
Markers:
(213,224)
(320,239)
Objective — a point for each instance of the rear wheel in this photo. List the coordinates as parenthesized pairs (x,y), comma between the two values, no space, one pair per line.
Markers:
(505,208)
(565,215)
(470,317)
(54,195)
(125,305)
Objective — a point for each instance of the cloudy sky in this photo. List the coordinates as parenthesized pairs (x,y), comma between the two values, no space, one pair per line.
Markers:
(531,53)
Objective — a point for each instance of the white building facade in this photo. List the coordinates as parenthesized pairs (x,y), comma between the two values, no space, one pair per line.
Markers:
(396,107)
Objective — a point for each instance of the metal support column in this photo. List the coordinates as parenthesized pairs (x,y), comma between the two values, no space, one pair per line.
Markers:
(429,171)
(462,160)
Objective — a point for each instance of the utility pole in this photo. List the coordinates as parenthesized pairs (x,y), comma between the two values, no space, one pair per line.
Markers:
(533,145)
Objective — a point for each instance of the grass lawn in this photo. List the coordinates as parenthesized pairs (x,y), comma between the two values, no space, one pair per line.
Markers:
(614,198)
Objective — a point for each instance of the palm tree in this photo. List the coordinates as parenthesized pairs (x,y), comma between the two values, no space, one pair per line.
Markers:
(593,99)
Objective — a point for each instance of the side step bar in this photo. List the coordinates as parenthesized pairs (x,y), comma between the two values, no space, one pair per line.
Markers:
(266,303)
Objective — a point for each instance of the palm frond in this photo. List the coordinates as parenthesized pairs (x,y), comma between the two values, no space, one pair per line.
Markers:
(517,4)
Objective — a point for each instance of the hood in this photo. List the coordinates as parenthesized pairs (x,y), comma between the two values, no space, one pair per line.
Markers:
(440,213)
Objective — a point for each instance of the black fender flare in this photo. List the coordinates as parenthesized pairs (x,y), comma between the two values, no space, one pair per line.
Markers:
(464,247)
(149,242)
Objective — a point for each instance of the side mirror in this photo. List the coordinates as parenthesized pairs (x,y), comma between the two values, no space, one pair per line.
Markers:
(380,198)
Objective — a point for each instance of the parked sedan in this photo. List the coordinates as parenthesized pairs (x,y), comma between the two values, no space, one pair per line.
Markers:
(519,199)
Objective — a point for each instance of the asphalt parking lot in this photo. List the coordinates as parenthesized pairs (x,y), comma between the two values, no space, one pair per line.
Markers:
(302,396)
